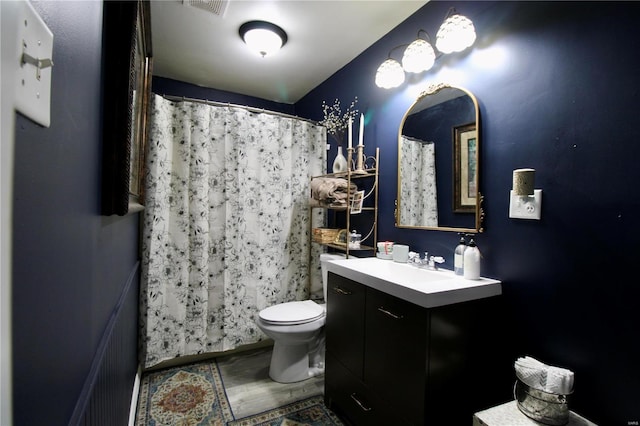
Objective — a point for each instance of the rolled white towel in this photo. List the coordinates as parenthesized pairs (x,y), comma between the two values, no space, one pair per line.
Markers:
(531,372)
(559,380)
(543,377)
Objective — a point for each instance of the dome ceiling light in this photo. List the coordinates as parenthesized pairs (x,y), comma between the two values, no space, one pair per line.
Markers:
(263,37)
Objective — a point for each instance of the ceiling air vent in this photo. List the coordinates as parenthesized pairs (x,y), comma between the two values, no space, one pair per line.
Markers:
(217,7)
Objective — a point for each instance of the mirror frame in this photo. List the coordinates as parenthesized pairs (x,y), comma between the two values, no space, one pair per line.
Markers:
(431,90)
(127,63)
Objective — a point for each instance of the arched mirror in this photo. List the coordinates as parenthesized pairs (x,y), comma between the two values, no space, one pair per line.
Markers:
(439,162)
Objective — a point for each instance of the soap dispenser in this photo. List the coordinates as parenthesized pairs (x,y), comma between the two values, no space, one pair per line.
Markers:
(458,255)
(472,261)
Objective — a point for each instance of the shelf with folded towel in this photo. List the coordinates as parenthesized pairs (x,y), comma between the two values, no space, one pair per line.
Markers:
(344,247)
(353,197)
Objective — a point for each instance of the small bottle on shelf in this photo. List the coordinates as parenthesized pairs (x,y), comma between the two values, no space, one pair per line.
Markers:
(354,240)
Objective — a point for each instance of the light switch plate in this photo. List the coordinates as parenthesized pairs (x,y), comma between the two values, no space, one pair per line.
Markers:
(33,85)
(526,207)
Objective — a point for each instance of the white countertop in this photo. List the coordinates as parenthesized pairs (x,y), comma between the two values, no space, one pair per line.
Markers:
(420,286)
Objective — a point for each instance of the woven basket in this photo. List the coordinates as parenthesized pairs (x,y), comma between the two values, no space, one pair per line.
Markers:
(324,235)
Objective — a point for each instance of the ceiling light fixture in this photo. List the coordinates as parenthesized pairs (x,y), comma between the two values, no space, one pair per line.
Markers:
(263,37)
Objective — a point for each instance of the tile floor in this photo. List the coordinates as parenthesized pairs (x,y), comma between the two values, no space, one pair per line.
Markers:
(249,388)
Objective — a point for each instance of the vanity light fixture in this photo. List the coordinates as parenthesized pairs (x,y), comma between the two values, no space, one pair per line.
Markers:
(390,73)
(456,33)
(263,37)
(419,56)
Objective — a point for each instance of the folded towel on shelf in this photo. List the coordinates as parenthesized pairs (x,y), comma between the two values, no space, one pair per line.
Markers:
(331,191)
(316,203)
(544,377)
(336,203)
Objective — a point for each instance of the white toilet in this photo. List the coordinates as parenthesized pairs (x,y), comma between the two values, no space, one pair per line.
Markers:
(297,331)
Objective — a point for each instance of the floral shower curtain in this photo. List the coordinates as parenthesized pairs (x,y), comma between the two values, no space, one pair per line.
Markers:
(226,224)
(419,206)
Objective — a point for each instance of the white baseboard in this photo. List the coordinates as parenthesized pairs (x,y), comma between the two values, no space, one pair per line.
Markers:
(134,397)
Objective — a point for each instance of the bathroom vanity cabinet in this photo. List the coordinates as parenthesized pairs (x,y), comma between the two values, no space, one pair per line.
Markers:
(392,362)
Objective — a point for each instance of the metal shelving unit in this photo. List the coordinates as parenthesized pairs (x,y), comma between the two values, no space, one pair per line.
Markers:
(369,180)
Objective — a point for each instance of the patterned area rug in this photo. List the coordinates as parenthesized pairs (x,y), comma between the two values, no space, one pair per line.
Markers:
(194,395)
(308,412)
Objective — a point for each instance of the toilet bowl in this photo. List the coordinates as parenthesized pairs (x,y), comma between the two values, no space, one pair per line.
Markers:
(298,335)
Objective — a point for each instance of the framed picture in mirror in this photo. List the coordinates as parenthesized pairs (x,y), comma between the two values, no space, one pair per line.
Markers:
(465,165)
(127,61)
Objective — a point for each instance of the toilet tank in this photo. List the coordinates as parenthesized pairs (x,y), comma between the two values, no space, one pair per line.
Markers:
(324,258)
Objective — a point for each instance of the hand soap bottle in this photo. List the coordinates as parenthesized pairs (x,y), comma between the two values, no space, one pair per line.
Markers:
(458,255)
(472,261)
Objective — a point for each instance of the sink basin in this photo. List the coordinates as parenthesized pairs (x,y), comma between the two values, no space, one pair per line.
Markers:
(404,273)
(423,287)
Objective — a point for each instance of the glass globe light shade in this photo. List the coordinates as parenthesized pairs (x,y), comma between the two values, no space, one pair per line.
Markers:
(263,41)
(390,74)
(455,34)
(418,57)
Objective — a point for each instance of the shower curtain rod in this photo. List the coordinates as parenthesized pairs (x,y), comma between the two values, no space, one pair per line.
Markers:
(227,104)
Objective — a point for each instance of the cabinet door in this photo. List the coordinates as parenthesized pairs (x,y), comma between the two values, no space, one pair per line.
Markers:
(396,360)
(344,327)
(352,401)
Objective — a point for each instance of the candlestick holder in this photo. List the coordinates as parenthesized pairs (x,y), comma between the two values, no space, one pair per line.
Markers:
(360,158)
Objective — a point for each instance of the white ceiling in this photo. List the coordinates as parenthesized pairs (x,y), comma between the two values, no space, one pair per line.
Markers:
(202,48)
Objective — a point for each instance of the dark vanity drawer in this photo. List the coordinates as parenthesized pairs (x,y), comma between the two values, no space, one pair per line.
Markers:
(352,401)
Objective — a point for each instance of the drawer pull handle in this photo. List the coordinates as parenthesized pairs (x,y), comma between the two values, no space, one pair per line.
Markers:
(360,404)
(341,291)
(391,314)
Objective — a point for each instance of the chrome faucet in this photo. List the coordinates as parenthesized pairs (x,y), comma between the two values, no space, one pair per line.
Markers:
(434,261)
(414,259)
(431,262)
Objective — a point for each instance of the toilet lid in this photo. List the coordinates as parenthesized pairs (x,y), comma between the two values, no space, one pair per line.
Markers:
(292,312)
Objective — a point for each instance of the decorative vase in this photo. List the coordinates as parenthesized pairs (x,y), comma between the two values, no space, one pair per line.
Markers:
(340,162)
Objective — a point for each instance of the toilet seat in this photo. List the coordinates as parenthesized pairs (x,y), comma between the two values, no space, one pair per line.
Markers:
(292,313)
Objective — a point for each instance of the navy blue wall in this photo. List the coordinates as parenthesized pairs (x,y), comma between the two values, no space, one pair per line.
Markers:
(70,264)
(558,90)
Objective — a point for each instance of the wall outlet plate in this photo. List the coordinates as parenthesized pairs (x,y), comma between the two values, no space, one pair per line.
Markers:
(526,207)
